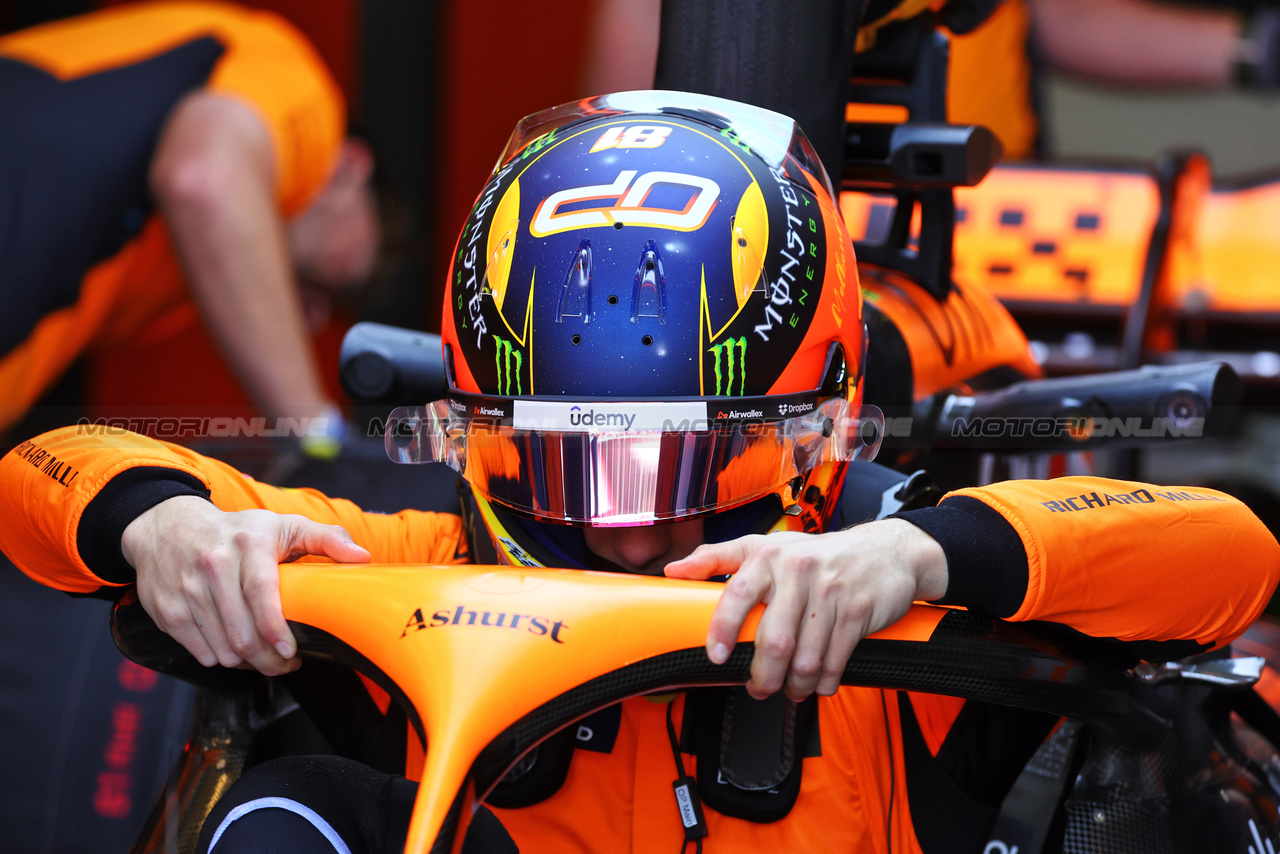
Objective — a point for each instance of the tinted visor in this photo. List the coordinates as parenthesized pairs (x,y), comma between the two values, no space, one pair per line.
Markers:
(607,470)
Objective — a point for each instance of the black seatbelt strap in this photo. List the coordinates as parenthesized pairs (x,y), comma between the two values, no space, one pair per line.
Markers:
(1029,809)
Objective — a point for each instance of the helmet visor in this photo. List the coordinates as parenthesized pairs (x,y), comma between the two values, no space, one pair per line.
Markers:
(615,464)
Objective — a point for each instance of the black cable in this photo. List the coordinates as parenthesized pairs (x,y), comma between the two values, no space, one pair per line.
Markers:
(893,776)
(675,754)
(675,742)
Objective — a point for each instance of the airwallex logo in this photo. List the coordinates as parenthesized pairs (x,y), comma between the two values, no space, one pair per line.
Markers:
(461,616)
(578,417)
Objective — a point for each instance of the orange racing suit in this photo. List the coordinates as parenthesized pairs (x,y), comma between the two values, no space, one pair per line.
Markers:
(87,262)
(1179,570)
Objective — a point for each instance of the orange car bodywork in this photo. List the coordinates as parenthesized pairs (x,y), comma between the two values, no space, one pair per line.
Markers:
(953,341)
(533,633)
(1037,234)
(1066,235)
(1232,264)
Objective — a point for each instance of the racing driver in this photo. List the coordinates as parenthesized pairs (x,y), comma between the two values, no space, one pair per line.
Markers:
(655,348)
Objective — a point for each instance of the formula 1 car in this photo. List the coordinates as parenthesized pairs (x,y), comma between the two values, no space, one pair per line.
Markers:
(1150,757)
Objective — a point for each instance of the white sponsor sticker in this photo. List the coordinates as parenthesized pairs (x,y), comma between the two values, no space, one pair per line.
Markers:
(608,417)
(687,815)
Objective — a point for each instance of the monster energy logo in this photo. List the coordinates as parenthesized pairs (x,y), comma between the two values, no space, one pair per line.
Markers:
(502,359)
(728,347)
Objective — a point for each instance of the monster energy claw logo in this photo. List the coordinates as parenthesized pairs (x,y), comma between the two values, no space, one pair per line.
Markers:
(502,359)
(728,347)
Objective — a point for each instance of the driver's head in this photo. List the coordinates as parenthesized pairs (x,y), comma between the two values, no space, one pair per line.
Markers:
(652,320)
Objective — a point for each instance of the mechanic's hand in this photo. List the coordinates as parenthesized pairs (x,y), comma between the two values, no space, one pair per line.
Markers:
(211,580)
(823,592)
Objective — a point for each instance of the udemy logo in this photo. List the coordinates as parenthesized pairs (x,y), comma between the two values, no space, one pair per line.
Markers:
(603,415)
(591,418)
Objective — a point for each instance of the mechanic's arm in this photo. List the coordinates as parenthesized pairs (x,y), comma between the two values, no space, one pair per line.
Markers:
(213,176)
(199,542)
(1138,42)
(1181,570)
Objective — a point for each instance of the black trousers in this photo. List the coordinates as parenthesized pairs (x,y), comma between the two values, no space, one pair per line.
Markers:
(323,805)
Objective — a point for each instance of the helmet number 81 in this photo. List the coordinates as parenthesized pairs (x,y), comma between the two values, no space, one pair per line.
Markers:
(636,136)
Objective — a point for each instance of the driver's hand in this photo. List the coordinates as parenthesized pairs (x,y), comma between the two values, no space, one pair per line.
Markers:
(823,593)
(211,580)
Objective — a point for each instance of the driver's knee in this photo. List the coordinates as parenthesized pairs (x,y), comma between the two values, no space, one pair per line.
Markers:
(323,805)
(285,826)
(310,805)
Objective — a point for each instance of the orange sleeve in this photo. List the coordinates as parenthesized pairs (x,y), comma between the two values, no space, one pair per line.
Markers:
(1134,561)
(1000,101)
(48,483)
(267,63)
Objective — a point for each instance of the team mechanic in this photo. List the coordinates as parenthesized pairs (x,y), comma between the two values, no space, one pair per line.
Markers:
(672,258)
(160,165)
(168,160)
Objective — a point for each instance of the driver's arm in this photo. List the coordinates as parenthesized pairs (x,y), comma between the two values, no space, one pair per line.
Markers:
(199,545)
(69,492)
(1113,559)
(1139,42)
(1172,571)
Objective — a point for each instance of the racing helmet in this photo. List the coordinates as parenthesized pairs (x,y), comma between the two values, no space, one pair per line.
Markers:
(652,313)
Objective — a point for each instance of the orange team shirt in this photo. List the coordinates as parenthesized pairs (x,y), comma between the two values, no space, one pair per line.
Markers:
(100,265)
(1189,566)
(988,80)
